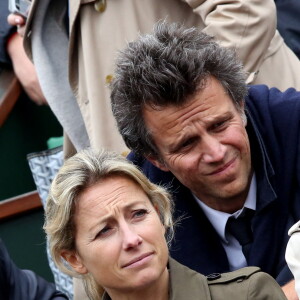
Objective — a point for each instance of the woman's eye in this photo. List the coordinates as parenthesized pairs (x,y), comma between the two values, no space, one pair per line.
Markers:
(103,232)
(139,213)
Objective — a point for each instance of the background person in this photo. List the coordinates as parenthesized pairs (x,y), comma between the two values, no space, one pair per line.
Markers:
(288,23)
(292,254)
(109,223)
(226,155)
(16,284)
(95,37)
(12,54)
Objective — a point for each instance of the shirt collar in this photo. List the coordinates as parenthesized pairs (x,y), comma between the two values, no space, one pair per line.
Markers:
(219,219)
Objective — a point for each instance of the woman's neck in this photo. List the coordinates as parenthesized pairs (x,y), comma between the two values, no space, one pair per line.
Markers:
(159,290)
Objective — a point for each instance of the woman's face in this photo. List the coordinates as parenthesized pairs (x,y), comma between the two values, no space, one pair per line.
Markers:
(119,236)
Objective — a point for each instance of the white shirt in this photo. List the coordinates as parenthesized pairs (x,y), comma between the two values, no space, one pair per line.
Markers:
(219,219)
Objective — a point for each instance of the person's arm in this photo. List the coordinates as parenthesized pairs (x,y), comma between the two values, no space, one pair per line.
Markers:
(292,254)
(290,291)
(23,284)
(25,70)
(246,25)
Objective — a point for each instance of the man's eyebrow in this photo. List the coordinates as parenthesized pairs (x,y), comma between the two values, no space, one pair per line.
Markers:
(223,116)
(173,147)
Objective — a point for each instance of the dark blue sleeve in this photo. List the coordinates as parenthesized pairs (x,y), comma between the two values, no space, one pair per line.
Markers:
(16,284)
(5,31)
(284,276)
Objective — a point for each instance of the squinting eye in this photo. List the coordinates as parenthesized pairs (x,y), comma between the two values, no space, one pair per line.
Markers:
(104,231)
(218,125)
(188,143)
(140,213)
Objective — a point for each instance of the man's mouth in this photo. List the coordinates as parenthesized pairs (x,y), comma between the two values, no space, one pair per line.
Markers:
(223,168)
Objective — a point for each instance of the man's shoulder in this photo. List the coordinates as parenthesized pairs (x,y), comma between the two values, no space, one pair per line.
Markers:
(263,97)
(272,107)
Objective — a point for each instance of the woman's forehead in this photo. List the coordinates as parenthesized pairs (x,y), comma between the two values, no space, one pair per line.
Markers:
(118,191)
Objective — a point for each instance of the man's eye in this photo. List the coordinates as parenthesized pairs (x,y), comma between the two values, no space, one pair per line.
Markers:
(140,213)
(218,125)
(187,143)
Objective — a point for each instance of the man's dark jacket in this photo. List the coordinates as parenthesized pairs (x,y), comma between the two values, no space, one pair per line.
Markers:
(273,129)
(17,284)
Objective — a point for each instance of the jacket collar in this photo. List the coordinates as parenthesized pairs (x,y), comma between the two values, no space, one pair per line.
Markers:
(262,165)
(184,283)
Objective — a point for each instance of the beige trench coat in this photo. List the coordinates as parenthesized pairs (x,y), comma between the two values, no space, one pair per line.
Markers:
(96,36)
(99,28)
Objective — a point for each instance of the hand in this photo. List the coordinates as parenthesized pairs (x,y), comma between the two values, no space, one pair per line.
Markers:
(25,70)
(19,21)
(289,290)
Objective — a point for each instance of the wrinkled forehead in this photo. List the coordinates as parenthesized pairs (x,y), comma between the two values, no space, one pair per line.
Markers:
(111,192)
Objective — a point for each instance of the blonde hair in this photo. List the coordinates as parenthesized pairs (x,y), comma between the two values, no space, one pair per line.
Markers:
(79,172)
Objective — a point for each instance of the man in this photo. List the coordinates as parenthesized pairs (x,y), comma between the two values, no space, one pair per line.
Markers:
(180,100)
(98,29)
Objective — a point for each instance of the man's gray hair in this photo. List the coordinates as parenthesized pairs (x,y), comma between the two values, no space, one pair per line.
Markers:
(166,68)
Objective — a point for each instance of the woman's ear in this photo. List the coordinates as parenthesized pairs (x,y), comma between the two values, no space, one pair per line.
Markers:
(74,261)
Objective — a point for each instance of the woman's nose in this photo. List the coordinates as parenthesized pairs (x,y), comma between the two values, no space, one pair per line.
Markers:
(130,238)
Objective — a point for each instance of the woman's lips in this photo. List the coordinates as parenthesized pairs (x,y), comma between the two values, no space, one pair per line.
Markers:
(140,260)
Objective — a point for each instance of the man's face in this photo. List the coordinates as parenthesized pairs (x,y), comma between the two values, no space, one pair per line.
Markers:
(205,145)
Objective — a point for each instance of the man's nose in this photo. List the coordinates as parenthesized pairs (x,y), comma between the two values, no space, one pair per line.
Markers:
(212,149)
(131,238)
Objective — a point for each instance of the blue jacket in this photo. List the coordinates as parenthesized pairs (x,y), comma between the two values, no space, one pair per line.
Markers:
(5,31)
(288,23)
(17,284)
(273,129)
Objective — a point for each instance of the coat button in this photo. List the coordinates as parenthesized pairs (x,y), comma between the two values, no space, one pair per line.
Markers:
(100,5)
(213,276)
(109,78)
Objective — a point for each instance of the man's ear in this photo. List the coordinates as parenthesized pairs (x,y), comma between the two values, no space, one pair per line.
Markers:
(74,261)
(157,163)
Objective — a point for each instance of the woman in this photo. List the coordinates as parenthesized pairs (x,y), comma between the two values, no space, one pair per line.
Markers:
(108,222)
